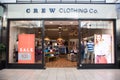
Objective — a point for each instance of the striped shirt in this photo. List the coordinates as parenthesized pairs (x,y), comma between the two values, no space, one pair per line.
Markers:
(90,46)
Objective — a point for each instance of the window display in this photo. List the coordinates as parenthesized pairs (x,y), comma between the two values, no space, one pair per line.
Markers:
(97,42)
(25,42)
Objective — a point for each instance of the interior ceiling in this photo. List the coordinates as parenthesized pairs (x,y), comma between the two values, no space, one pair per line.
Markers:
(64,29)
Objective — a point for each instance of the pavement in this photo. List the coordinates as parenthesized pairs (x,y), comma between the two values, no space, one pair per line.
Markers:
(60,74)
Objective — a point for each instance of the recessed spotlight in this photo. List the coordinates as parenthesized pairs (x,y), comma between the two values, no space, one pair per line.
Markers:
(51,22)
(71,22)
(59,27)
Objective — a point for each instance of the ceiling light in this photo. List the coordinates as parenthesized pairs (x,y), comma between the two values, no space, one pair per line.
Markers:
(59,39)
(59,27)
(71,22)
(47,39)
(51,22)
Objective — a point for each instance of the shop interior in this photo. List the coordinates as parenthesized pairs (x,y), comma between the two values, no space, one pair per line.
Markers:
(61,43)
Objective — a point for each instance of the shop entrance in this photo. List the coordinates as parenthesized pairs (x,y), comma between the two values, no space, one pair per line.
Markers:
(61,43)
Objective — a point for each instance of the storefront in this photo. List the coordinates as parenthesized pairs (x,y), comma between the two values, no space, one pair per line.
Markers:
(41,34)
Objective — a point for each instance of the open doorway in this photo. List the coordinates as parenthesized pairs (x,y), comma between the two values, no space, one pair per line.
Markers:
(61,43)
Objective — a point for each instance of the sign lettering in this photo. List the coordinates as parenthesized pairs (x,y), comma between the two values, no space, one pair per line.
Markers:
(62,10)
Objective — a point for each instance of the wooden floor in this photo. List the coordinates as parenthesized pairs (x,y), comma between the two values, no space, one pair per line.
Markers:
(60,74)
(61,62)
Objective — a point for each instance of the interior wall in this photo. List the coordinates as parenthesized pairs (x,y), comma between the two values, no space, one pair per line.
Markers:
(12,40)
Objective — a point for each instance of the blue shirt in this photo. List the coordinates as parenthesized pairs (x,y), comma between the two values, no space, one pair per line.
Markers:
(90,46)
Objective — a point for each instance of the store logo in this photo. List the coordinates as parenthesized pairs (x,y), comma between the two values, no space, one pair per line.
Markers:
(42,10)
(62,10)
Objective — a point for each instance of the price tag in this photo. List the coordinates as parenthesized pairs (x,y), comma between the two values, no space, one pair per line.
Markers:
(24,56)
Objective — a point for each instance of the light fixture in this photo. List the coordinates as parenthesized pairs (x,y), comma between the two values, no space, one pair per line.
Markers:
(51,22)
(71,22)
(59,39)
(47,39)
(59,27)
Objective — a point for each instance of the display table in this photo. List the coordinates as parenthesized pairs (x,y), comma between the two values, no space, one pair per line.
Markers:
(72,57)
(50,58)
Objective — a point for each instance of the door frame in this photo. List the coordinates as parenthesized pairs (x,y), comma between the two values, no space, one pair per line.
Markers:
(59,19)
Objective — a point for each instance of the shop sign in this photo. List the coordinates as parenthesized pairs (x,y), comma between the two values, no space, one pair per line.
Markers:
(61,11)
